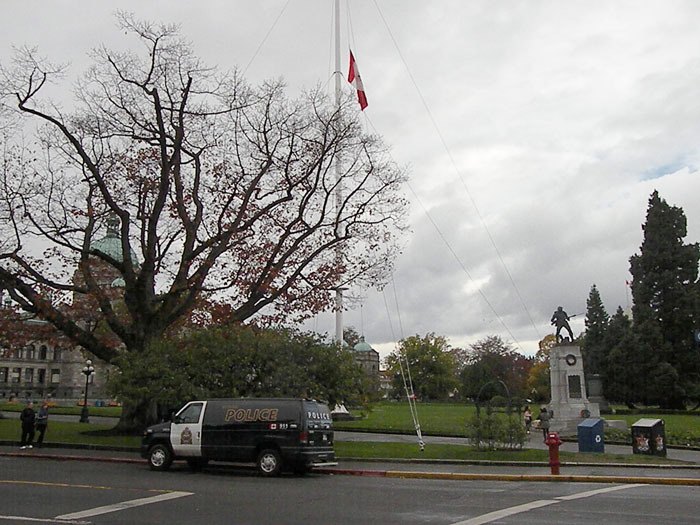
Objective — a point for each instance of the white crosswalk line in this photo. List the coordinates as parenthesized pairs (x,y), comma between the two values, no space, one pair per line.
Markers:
(525,507)
(123,505)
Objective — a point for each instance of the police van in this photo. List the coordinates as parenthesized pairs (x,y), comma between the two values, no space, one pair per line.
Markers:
(273,433)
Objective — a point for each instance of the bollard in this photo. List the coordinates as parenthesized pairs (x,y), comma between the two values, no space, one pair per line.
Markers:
(553,443)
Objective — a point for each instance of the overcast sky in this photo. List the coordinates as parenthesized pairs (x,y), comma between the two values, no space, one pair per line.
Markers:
(533,131)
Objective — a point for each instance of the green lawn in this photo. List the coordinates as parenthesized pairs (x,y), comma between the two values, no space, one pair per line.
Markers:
(96,434)
(78,433)
(435,418)
(372,450)
(65,410)
(448,419)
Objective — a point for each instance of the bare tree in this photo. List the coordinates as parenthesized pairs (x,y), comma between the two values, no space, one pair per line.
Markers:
(215,189)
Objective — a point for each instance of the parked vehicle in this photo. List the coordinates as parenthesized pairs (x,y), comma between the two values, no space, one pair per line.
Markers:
(273,433)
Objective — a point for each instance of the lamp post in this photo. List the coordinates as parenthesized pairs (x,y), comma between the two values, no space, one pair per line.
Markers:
(88,370)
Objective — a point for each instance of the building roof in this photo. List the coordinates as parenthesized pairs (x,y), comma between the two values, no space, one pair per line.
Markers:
(362,346)
(111,243)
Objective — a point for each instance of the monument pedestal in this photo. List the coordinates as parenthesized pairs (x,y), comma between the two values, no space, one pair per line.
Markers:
(569,403)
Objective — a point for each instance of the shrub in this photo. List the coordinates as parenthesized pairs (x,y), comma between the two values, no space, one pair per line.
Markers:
(492,431)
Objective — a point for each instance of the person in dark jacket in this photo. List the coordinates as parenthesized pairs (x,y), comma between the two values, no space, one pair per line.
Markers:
(544,418)
(28,418)
(42,421)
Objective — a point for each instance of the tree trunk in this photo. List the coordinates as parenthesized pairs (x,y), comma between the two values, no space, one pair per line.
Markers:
(136,416)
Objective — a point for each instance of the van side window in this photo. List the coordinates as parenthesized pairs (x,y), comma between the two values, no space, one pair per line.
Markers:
(191,413)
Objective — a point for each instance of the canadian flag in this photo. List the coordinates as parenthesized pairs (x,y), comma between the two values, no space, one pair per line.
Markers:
(356,80)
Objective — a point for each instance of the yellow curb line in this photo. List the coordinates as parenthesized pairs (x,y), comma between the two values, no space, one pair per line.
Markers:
(544,477)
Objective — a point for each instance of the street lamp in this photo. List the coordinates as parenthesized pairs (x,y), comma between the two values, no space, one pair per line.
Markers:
(88,370)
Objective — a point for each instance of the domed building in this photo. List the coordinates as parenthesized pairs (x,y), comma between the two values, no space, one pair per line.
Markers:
(368,358)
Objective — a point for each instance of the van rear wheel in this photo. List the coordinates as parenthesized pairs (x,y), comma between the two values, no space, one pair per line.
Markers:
(269,462)
(159,457)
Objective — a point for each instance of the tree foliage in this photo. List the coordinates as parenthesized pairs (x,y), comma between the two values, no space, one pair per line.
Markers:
(492,360)
(622,367)
(429,363)
(593,339)
(244,361)
(665,293)
(221,191)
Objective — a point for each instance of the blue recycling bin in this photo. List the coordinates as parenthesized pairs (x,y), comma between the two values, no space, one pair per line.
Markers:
(591,435)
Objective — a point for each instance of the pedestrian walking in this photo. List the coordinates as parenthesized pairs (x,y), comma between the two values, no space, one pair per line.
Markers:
(42,421)
(28,418)
(544,418)
(527,419)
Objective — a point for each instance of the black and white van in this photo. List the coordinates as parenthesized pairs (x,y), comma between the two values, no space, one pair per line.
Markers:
(273,433)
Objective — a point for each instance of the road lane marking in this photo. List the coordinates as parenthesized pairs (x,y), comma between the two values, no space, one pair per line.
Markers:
(49,484)
(525,507)
(504,513)
(16,519)
(123,505)
(599,491)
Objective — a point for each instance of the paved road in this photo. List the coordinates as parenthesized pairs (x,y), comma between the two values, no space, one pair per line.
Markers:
(73,492)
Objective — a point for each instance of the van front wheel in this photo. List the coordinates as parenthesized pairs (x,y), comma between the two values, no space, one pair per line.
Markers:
(269,462)
(159,457)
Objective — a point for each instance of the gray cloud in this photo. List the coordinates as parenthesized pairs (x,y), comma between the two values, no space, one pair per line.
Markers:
(559,118)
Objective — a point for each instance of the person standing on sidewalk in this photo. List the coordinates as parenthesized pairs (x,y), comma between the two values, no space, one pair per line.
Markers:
(42,421)
(28,418)
(527,419)
(544,418)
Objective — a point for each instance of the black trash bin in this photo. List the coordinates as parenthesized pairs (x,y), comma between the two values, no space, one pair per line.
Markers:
(591,435)
(649,437)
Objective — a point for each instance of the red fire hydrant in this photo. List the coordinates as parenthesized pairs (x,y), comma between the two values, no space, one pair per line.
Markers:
(553,443)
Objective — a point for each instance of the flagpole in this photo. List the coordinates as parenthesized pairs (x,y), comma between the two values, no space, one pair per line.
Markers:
(338,190)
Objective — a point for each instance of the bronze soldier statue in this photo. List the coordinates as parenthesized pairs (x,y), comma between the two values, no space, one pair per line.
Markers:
(560,319)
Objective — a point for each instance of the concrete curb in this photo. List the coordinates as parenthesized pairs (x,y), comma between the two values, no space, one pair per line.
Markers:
(487,463)
(457,476)
(68,457)
(545,477)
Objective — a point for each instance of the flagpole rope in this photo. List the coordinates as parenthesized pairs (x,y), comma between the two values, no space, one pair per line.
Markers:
(402,359)
(267,35)
(458,171)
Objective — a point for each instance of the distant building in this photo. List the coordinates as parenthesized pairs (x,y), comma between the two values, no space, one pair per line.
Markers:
(368,358)
(39,369)
(386,383)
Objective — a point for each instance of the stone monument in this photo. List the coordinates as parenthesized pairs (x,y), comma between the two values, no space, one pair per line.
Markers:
(570,403)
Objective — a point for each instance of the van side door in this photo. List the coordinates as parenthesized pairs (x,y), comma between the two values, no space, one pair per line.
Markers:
(186,430)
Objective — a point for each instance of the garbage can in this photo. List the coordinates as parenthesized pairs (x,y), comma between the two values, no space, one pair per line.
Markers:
(649,437)
(590,435)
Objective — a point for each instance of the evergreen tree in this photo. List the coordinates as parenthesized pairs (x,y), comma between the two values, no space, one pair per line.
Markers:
(664,290)
(621,366)
(593,340)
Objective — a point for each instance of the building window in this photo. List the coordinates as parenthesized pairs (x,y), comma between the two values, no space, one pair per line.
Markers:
(28,375)
(42,352)
(55,376)
(30,352)
(57,354)
(4,373)
(41,378)
(16,374)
